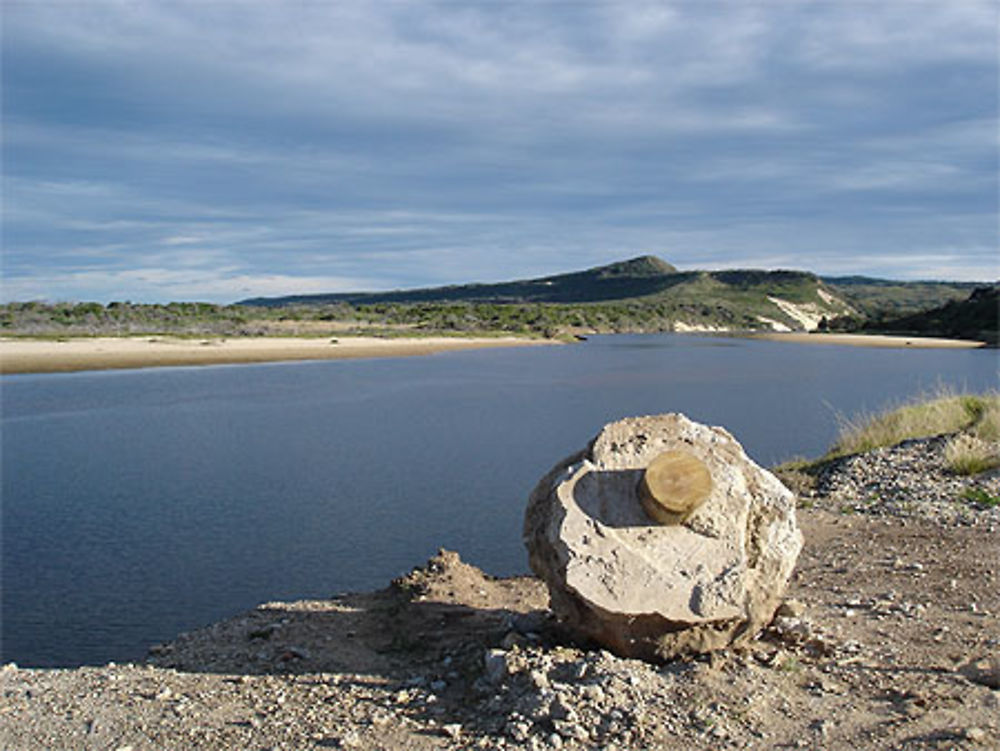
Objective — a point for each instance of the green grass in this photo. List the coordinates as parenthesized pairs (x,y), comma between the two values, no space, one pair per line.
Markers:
(981,497)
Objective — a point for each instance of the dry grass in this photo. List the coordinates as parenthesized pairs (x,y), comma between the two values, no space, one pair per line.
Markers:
(971,420)
(968,455)
(940,414)
(987,427)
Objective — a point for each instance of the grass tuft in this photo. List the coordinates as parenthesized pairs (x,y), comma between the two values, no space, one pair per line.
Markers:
(967,454)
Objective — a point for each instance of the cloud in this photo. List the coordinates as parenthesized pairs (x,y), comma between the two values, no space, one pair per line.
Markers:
(404,144)
(153,284)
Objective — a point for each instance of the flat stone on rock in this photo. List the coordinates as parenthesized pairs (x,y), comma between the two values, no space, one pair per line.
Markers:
(661,538)
(673,485)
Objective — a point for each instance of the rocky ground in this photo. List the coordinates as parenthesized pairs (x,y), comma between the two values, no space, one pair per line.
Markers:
(889,639)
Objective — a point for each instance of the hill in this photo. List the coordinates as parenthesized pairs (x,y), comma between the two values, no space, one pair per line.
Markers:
(643,294)
(637,277)
(976,318)
(640,294)
(873,298)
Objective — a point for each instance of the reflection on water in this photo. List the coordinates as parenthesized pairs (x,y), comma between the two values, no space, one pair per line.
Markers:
(137,504)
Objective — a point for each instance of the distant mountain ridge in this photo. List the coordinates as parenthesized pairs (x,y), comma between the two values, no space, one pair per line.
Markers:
(648,294)
(643,294)
(636,277)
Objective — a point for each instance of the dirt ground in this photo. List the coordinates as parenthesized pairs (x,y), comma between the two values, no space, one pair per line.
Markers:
(889,640)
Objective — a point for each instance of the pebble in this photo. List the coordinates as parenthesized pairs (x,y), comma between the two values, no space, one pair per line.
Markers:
(974,734)
(495,663)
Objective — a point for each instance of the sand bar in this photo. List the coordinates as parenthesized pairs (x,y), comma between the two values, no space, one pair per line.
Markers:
(868,340)
(52,356)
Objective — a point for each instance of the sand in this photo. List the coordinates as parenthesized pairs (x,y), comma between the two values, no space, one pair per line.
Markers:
(104,353)
(51,356)
(868,340)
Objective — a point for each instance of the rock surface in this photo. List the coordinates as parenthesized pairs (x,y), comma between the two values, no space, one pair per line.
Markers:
(650,590)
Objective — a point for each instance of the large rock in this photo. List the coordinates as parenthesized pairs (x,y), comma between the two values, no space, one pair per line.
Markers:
(691,556)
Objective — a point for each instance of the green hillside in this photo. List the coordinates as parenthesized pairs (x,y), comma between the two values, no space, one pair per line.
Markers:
(644,294)
(637,277)
(885,298)
(975,317)
(641,294)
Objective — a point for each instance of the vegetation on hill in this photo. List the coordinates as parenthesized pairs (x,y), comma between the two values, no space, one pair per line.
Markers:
(123,318)
(637,277)
(973,318)
(641,294)
(644,294)
(873,298)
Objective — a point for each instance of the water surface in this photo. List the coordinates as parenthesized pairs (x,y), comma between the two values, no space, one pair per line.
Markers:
(138,504)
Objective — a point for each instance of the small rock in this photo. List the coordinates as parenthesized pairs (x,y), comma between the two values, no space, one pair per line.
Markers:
(570,730)
(452,730)
(539,679)
(293,653)
(265,632)
(976,735)
(495,666)
(562,710)
(350,739)
(985,672)
(791,609)
(519,731)
(512,639)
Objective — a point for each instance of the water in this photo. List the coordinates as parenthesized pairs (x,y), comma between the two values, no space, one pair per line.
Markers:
(138,504)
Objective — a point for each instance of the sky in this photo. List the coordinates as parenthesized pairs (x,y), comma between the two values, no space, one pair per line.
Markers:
(157,151)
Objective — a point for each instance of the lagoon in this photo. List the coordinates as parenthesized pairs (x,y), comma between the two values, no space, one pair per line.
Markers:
(139,504)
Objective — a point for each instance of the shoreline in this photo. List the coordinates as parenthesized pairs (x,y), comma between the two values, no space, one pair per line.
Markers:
(867,340)
(23,356)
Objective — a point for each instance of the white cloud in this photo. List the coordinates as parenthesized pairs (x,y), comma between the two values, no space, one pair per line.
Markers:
(898,34)
(899,175)
(151,284)
(400,143)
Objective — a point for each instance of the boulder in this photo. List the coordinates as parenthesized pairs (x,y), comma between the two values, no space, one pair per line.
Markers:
(662,538)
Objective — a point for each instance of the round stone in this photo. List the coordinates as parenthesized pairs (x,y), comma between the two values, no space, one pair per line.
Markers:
(673,485)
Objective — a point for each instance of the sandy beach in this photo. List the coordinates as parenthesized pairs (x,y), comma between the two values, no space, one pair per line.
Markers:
(868,340)
(52,356)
